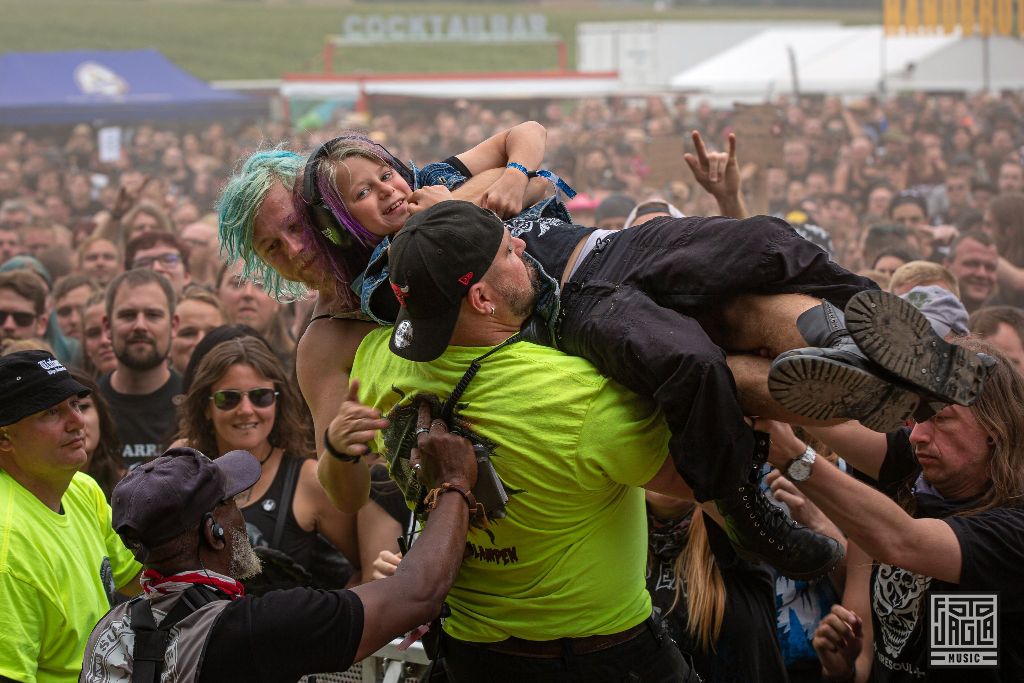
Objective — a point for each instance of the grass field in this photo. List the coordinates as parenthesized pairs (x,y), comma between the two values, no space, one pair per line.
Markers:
(243,39)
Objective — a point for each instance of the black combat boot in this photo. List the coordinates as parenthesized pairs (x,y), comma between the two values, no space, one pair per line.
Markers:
(898,337)
(833,379)
(760,530)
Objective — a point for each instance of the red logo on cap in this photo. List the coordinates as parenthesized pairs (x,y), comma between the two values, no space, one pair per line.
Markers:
(400,293)
(464,280)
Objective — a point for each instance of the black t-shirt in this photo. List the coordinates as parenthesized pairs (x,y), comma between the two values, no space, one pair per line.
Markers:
(746,649)
(145,422)
(992,547)
(549,240)
(283,635)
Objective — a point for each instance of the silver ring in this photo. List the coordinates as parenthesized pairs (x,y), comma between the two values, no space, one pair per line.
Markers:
(421,430)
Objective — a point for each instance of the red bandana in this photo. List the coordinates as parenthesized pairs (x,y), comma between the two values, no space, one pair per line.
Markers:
(154,582)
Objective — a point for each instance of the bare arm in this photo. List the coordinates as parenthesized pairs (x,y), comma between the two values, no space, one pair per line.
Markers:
(522,144)
(1010,276)
(667,481)
(413,595)
(854,443)
(337,527)
(843,639)
(876,523)
(323,361)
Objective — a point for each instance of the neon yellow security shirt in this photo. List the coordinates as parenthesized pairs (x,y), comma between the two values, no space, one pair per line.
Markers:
(57,572)
(571,446)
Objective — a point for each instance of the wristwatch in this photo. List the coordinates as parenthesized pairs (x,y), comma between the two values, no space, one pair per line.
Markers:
(799,469)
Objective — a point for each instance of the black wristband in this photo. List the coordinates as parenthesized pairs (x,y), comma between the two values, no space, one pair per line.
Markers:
(335,452)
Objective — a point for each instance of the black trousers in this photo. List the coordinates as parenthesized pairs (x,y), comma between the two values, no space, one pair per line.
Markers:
(628,309)
(651,657)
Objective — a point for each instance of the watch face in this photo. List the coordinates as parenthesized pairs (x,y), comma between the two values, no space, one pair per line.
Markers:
(799,470)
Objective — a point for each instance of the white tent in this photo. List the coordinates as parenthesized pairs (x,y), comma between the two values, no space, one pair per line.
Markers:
(854,61)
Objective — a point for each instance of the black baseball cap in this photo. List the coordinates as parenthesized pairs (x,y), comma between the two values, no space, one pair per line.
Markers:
(161,499)
(439,254)
(31,381)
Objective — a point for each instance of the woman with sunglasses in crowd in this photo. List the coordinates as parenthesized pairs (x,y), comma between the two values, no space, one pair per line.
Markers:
(241,398)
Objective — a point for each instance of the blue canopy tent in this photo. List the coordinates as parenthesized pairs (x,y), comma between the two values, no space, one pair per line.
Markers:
(103,86)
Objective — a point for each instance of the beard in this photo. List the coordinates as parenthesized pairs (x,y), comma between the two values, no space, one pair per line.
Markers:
(140,357)
(244,564)
(521,300)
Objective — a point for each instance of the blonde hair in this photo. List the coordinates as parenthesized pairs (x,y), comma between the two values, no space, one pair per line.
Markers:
(696,568)
(918,273)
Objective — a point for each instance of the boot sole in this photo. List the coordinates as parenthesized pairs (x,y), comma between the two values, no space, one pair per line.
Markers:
(824,389)
(899,338)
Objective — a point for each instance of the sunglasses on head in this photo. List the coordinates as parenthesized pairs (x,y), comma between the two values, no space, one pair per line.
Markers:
(21,319)
(229,398)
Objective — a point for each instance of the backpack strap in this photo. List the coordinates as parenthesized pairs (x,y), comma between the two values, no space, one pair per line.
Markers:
(151,640)
(291,479)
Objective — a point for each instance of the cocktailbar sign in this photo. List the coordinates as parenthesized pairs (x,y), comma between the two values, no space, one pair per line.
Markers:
(363,28)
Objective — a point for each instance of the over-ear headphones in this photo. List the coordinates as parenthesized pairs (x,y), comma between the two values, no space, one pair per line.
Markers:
(215,528)
(323,219)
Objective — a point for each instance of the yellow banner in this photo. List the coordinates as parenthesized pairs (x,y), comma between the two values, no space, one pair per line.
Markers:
(930,15)
(891,16)
(1004,17)
(986,17)
(950,16)
(912,20)
(967,16)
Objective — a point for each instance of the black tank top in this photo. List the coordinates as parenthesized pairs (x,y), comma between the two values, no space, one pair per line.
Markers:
(262,514)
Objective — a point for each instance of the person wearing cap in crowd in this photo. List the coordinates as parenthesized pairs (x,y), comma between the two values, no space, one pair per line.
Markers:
(60,560)
(649,210)
(611,213)
(521,607)
(195,622)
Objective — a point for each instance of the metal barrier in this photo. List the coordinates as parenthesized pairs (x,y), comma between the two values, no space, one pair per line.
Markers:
(386,665)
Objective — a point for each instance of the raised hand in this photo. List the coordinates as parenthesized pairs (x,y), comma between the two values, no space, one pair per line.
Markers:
(838,640)
(716,172)
(355,425)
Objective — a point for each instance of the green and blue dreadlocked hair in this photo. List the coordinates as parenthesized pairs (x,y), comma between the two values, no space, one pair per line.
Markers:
(237,207)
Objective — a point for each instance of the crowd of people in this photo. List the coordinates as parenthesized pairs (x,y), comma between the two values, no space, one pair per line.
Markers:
(604,380)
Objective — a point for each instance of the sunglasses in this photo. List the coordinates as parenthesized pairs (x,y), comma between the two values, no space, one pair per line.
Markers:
(21,319)
(229,398)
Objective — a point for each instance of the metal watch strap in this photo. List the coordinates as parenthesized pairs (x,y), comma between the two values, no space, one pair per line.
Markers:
(808,456)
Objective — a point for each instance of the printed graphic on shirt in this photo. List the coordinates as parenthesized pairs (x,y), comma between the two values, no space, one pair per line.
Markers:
(518,226)
(898,600)
(400,437)
(107,580)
